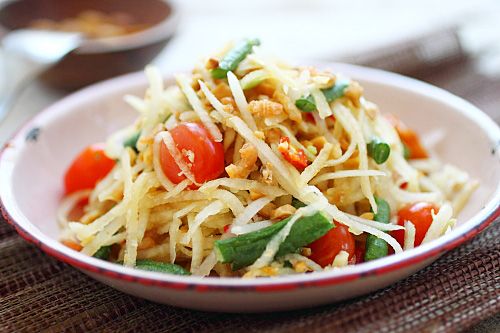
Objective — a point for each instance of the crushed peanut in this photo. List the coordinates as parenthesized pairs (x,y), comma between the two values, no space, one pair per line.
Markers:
(146,156)
(273,135)
(306,251)
(264,271)
(283,212)
(353,92)
(211,63)
(267,210)
(368,216)
(323,80)
(265,89)
(245,164)
(265,108)
(260,135)
(222,90)
(288,105)
(371,110)
(344,143)
(146,243)
(319,142)
(363,206)
(228,101)
(254,195)
(267,174)
(301,267)
(352,163)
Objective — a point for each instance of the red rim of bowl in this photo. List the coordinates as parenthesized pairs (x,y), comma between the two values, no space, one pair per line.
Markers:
(274,285)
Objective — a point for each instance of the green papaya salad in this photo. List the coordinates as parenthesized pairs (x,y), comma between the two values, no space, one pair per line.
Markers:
(251,167)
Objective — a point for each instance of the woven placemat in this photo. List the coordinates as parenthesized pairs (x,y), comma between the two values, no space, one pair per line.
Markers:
(39,293)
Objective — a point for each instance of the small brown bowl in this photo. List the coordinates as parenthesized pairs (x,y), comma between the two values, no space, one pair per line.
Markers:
(98,59)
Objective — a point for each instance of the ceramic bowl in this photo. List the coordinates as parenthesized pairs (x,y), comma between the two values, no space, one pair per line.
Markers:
(34,160)
(97,59)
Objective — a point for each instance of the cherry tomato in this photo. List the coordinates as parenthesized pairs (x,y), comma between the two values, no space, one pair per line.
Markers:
(201,153)
(309,117)
(72,245)
(409,137)
(324,250)
(420,215)
(90,166)
(359,253)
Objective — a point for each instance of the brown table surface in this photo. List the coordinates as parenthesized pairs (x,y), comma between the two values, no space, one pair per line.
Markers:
(460,292)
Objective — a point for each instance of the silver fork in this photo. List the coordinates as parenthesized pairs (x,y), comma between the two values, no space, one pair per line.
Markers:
(27,53)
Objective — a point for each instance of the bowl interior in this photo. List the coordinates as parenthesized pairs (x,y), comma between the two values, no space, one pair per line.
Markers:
(20,14)
(44,148)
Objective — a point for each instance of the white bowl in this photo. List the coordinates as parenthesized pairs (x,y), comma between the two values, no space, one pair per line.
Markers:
(34,160)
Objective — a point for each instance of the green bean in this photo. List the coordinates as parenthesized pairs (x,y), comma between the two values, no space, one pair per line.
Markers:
(406,152)
(307,103)
(244,250)
(132,141)
(233,58)
(296,203)
(162,267)
(378,150)
(377,247)
(103,252)
(336,91)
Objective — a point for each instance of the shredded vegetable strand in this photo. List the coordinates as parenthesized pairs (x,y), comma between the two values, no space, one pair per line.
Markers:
(164,181)
(139,189)
(198,107)
(242,185)
(212,209)
(439,223)
(251,210)
(347,173)
(349,122)
(410,231)
(318,164)
(241,101)
(348,153)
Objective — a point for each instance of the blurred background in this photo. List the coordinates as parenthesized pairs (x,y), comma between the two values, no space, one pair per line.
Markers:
(454,44)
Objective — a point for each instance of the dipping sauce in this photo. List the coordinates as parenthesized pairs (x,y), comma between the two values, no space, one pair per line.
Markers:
(94,24)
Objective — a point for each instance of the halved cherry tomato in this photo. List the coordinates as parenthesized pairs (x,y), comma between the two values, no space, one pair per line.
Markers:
(202,154)
(409,137)
(420,215)
(295,157)
(325,249)
(359,252)
(72,245)
(90,166)
(309,117)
